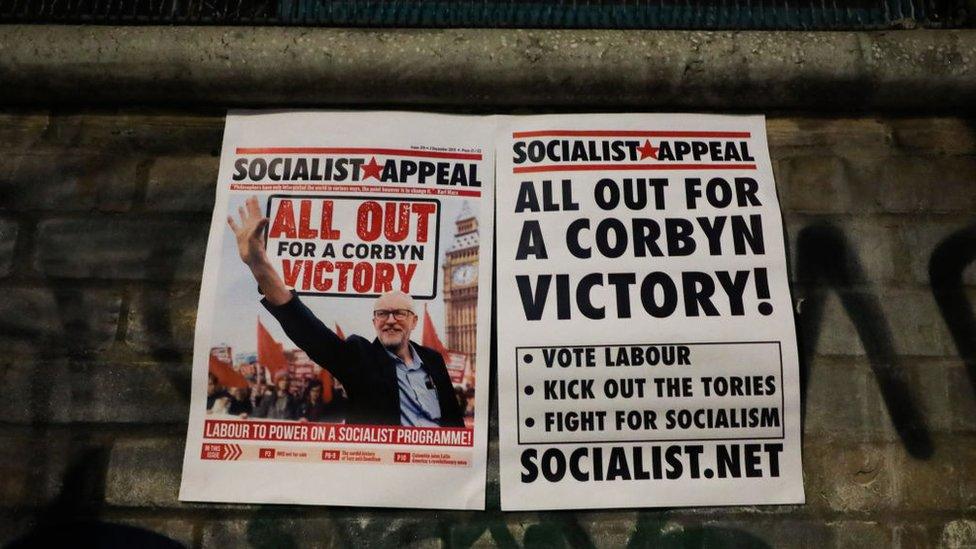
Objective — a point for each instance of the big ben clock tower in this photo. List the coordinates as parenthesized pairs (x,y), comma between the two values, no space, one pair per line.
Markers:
(461,286)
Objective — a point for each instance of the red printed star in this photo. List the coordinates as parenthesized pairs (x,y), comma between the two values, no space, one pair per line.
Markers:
(648,150)
(371,169)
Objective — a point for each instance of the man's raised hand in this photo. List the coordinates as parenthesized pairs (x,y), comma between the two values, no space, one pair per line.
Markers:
(250,244)
(250,240)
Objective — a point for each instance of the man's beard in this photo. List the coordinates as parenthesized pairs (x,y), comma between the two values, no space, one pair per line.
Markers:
(387,339)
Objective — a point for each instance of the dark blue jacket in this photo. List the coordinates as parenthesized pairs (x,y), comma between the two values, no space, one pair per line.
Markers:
(363,367)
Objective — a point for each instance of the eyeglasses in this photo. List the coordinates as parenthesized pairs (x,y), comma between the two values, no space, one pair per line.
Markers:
(399,314)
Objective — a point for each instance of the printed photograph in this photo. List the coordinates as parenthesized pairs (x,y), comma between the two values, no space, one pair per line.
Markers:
(384,358)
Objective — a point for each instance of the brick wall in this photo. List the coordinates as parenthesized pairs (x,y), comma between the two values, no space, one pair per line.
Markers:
(103,224)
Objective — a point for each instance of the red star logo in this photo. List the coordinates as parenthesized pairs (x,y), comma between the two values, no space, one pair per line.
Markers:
(371,169)
(648,150)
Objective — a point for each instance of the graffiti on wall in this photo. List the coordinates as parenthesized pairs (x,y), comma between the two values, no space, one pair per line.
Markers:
(825,262)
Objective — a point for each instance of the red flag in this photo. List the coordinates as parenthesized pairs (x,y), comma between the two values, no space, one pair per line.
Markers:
(226,376)
(430,339)
(271,354)
(326,378)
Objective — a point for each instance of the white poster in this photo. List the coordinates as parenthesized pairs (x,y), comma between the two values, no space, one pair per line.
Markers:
(341,350)
(646,345)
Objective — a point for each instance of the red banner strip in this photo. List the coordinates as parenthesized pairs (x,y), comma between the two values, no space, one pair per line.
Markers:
(292,431)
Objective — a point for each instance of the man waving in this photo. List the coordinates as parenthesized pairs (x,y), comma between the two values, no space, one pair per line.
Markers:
(389,380)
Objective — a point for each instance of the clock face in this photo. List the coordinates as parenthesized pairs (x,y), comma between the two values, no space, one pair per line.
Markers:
(465,274)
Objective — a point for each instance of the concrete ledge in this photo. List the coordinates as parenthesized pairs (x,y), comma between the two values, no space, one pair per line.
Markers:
(266,66)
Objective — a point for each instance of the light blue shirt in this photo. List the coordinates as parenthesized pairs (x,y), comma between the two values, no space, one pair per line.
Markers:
(419,406)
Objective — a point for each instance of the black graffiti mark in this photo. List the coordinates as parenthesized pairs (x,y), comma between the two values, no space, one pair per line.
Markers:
(547,535)
(155,303)
(74,515)
(469,529)
(94,534)
(651,532)
(385,529)
(270,531)
(382,528)
(72,518)
(76,508)
(825,260)
(946,265)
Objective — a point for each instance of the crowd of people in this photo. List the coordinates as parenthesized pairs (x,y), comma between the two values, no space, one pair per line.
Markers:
(282,400)
(289,399)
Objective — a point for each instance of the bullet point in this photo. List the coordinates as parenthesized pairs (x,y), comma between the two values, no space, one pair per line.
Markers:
(527,359)
(529,422)
(529,390)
